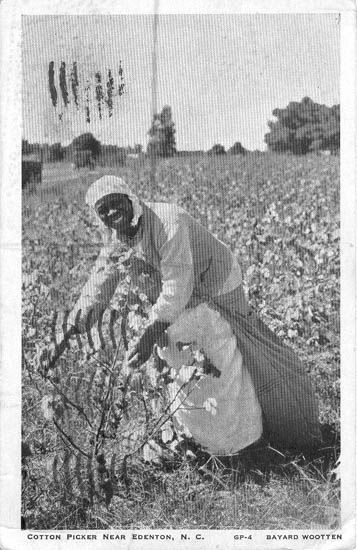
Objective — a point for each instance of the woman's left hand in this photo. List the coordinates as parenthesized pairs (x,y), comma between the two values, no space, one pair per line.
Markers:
(142,351)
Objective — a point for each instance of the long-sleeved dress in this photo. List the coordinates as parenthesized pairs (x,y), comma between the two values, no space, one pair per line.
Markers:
(195,284)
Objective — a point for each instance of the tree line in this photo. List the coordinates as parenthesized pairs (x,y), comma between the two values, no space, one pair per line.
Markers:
(85,150)
(299,128)
(304,127)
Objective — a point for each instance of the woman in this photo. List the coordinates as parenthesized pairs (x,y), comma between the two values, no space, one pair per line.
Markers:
(196,291)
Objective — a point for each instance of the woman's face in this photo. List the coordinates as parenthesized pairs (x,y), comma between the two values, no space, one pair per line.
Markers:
(116,212)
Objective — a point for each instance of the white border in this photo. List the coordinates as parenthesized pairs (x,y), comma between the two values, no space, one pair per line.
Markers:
(10,243)
(89,7)
(348,266)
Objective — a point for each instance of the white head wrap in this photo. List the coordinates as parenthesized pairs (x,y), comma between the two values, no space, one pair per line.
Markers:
(108,185)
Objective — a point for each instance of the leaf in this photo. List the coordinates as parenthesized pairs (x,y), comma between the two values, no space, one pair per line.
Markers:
(186,372)
(44,289)
(46,406)
(155,406)
(152,452)
(166,433)
(107,487)
(25,450)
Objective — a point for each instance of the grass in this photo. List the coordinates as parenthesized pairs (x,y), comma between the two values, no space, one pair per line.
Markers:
(192,495)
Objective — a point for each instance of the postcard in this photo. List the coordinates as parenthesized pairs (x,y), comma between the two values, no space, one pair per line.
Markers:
(177,275)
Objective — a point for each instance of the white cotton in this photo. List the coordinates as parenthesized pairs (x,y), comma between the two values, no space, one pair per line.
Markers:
(221,413)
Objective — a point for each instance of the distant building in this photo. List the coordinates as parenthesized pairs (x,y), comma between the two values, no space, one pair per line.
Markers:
(31,168)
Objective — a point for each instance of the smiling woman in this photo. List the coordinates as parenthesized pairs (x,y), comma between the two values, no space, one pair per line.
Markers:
(199,273)
(111,199)
(116,212)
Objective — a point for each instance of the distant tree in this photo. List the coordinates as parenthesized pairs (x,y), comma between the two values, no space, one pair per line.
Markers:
(331,140)
(82,159)
(237,149)
(86,142)
(55,152)
(194,153)
(217,149)
(111,155)
(136,150)
(45,152)
(162,141)
(155,145)
(304,126)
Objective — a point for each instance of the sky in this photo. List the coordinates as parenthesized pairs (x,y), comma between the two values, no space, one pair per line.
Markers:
(222,75)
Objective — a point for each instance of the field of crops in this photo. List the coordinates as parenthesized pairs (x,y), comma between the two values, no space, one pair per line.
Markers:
(99,453)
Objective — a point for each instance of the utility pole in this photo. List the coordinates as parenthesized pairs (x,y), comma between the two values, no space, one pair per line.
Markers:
(154,89)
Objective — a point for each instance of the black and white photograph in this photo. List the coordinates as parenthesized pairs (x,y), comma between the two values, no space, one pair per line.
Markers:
(178,357)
